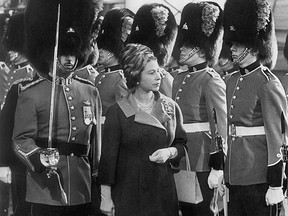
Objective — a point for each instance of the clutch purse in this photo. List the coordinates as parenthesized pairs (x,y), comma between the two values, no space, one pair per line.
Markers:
(187,184)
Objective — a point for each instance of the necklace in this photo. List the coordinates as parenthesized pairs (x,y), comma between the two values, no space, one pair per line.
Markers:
(145,106)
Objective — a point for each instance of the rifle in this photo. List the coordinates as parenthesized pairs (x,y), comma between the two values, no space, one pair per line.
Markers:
(219,150)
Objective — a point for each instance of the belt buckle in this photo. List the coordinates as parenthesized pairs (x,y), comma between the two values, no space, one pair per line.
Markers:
(233,130)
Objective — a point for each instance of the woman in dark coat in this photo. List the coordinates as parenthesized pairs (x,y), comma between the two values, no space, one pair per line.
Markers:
(143,137)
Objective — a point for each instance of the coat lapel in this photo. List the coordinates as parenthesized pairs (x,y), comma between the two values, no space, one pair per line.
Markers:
(157,118)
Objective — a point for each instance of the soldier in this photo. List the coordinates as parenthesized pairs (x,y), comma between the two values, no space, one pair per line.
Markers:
(255,100)
(63,188)
(155,26)
(198,91)
(111,40)
(11,167)
(19,68)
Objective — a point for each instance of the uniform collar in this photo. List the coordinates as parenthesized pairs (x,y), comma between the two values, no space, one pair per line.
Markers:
(60,80)
(112,68)
(249,68)
(159,115)
(198,67)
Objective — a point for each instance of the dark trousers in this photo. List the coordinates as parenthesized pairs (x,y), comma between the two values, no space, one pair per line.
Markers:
(18,189)
(249,201)
(4,198)
(48,210)
(203,208)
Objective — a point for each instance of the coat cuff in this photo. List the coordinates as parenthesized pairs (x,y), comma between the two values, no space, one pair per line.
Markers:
(216,160)
(35,160)
(274,174)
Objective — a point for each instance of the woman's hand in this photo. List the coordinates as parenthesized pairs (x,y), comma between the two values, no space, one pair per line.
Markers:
(162,155)
(107,206)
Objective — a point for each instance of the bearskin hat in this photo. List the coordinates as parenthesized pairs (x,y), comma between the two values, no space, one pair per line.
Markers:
(115,29)
(201,26)
(251,23)
(14,37)
(76,19)
(155,26)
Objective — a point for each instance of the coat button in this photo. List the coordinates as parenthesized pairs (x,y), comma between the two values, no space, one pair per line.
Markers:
(144,185)
(67,89)
(73,138)
(241,79)
(237,88)
(72,107)
(70,98)
(74,128)
(180,90)
(145,132)
(177,98)
(234,97)
(72,154)
(73,118)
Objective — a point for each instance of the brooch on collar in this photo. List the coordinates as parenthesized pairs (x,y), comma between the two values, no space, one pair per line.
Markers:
(168,107)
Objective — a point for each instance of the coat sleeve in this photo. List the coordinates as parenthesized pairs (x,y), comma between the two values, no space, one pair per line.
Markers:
(180,139)
(273,102)
(25,132)
(215,96)
(110,146)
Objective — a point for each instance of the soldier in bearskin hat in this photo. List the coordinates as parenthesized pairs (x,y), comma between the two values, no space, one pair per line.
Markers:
(256,100)
(18,67)
(112,38)
(12,78)
(58,178)
(198,91)
(155,26)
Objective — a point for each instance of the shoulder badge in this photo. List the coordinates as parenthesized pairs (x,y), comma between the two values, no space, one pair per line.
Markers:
(212,72)
(267,73)
(27,84)
(83,80)
(121,74)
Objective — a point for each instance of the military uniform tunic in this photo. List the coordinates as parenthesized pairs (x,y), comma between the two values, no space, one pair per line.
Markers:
(21,71)
(111,86)
(197,91)
(76,102)
(255,99)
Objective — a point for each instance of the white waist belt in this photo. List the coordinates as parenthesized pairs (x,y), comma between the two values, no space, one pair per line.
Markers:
(102,119)
(239,131)
(196,127)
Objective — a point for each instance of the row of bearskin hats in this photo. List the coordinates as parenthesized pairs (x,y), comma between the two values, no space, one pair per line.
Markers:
(249,22)
(154,25)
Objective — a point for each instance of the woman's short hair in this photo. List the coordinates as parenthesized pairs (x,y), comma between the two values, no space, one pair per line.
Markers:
(133,59)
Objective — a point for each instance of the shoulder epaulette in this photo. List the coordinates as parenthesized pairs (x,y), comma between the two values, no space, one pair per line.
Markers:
(83,80)
(267,73)
(26,85)
(212,72)
(121,74)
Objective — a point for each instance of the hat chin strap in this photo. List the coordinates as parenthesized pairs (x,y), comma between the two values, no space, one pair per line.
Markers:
(240,57)
(189,55)
(63,68)
(109,56)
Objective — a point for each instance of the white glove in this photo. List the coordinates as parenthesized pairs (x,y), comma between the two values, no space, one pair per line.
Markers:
(162,155)
(107,206)
(214,177)
(5,175)
(274,195)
